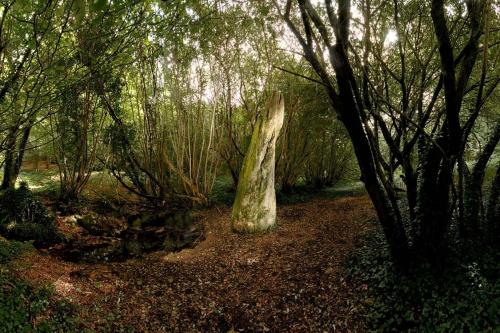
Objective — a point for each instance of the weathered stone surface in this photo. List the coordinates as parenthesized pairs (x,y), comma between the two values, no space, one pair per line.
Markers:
(254,208)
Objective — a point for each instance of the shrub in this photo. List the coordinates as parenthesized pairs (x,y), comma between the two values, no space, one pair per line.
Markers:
(23,217)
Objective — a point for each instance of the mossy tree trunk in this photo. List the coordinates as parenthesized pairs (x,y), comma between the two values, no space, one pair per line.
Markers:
(254,208)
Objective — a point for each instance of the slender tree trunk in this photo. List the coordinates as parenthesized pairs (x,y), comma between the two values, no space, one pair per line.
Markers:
(351,116)
(473,198)
(391,224)
(21,150)
(411,187)
(14,157)
(493,209)
(349,105)
(463,174)
(234,175)
(8,180)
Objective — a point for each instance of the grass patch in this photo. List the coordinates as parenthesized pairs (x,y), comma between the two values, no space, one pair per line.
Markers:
(41,180)
(465,297)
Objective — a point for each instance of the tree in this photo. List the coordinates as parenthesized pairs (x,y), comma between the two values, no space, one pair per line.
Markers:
(30,39)
(355,96)
(77,127)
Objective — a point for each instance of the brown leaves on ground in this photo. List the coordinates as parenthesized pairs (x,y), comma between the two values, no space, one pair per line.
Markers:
(287,280)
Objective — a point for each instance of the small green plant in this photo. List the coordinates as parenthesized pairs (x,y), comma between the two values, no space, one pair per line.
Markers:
(23,217)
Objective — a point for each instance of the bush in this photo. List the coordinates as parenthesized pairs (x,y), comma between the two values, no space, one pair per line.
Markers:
(464,297)
(23,217)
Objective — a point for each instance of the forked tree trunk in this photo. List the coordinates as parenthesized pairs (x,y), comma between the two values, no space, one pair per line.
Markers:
(254,208)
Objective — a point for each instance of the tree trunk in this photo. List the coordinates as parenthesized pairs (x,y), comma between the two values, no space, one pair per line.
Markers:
(9,180)
(14,156)
(493,209)
(473,198)
(254,208)
(351,117)
(349,106)
(411,187)
(433,199)
(21,150)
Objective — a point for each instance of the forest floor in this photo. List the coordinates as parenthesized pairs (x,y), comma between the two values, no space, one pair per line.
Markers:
(287,280)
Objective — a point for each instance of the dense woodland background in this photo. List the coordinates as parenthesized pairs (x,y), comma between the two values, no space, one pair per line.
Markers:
(149,106)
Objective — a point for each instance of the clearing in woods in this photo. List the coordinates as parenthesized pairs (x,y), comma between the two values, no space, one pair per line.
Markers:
(289,279)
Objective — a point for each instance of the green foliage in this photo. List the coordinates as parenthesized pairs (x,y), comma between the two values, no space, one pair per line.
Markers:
(224,192)
(313,145)
(464,297)
(118,138)
(25,309)
(307,192)
(22,309)
(24,217)
(40,180)
(11,249)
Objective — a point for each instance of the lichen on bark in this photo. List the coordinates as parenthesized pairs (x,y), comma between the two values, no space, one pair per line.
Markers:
(254,208)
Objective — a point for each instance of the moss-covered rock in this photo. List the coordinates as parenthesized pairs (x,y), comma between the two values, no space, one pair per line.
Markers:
(254,208)
(102,225)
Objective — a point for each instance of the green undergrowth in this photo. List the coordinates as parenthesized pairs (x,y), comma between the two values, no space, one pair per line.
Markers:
(303,193)
(463,297)
(24,217)
(224,192)
(24,308)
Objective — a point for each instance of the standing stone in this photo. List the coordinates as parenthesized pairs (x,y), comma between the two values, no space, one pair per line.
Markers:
(254,208)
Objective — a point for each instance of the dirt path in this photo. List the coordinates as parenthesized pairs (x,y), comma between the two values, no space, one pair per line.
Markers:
(284,281)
